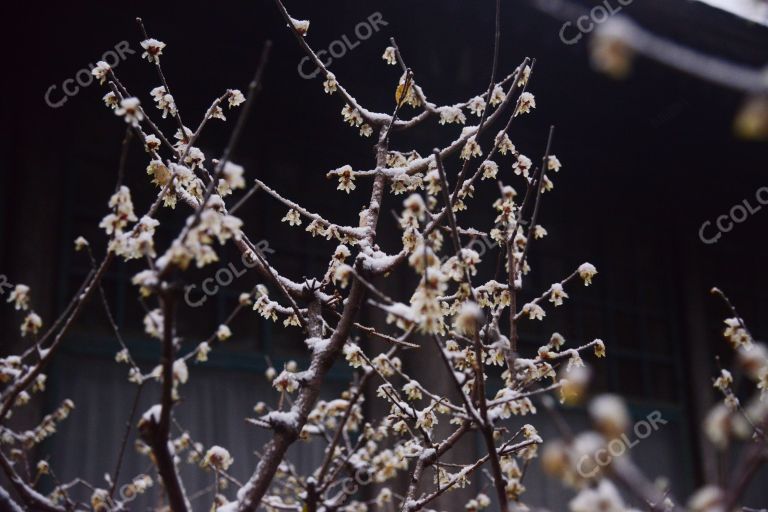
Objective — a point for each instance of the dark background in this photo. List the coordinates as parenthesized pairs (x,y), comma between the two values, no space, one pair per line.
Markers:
(646,159)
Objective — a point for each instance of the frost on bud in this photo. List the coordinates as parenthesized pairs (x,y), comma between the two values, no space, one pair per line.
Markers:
(217,458)
(525,103)
(300,26)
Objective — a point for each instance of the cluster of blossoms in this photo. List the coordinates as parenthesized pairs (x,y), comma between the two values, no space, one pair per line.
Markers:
(31,322)
(464,319)
(457,306)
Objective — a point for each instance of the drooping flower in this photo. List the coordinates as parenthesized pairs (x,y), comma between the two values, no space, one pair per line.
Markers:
(477,105)
(504,143)
(587,271)
(346,179)
(412,391)
(498,95)
(525,103)
(100,71)
(235,98)
(490,169)
(390,57)
(557,294)
(110,100)
(471,149)
(452,114)
(534,311)
(330,85)
(293,218)
(599,348)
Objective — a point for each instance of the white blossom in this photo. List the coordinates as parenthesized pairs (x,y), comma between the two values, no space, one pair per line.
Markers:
(300,26)
(235,98)
(19,296)
(130,110)
(587,271)
(525,103)
(390,56)
(100,71)
(152,50)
